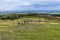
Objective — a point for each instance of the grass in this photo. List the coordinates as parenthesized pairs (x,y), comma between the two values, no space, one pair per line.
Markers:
(10,30)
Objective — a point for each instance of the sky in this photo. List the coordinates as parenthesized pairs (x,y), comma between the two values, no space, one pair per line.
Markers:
(8,5)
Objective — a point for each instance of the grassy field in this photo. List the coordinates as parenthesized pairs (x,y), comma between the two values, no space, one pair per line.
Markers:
(10,30)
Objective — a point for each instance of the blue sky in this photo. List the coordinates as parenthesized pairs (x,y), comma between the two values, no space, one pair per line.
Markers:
(29,5)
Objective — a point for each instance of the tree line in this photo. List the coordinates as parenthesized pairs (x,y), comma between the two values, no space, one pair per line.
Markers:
(16,16)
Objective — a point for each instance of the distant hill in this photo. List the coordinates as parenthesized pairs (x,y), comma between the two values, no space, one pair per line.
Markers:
(30,11)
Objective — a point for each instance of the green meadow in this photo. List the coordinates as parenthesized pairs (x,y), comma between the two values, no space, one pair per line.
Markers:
(10,30)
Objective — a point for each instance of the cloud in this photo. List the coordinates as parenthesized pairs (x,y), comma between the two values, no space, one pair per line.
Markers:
(29,4)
